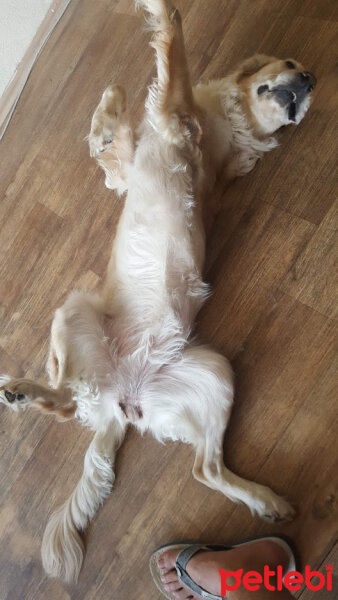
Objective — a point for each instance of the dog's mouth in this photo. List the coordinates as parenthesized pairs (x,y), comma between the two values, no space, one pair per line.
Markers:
(291,95)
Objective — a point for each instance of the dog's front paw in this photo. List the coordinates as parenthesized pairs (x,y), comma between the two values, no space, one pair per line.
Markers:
(106,118)
(13,393)
(99,143)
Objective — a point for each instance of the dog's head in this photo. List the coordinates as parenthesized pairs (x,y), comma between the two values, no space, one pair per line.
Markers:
(278,92)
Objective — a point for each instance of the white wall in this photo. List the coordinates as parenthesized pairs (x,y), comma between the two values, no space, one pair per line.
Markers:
(19,21)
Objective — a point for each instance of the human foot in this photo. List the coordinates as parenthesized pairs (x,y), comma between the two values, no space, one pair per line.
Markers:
(203,567)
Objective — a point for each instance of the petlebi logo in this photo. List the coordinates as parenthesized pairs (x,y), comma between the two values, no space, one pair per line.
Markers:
(292,581)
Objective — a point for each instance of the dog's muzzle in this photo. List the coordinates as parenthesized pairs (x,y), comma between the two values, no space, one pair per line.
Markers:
(307,80)
(290,95)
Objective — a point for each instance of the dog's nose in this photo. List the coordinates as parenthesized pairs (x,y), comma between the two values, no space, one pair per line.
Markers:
(308,79)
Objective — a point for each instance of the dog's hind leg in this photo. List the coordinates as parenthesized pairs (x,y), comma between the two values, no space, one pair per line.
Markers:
(111,138)
(209,469)
(213,384)
(79,354)
(19,393)
(80,367)
(62,546)
(191,400)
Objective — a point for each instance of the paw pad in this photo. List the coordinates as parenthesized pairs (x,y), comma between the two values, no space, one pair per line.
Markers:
(12,397)
(9,396)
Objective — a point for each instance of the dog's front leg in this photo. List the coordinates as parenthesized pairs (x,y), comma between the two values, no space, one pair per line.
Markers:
(19,393)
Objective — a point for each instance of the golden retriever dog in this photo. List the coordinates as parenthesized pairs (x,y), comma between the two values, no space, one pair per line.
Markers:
(126,355)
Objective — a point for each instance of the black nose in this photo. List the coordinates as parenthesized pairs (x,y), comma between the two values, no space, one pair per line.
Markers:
(308,79)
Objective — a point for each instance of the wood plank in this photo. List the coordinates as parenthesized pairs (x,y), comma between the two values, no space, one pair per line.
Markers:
(313,276)
(331,559)
(263,247)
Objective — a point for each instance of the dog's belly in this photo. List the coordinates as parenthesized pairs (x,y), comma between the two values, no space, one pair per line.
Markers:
(156,284)
(159,248)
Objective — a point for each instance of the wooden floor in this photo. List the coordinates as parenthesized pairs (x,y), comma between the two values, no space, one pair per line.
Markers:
(271,265)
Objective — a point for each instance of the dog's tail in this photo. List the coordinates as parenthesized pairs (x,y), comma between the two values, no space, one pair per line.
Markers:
(170,104)
(62,546)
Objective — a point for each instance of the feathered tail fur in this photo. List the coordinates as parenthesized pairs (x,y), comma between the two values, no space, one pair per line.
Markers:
(62,546)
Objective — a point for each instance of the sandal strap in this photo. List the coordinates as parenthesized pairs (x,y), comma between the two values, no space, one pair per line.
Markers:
(181,562)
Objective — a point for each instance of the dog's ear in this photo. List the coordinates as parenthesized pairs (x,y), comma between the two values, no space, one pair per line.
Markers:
(252,65)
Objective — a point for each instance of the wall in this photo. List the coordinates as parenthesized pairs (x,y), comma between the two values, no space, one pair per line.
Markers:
(19,22)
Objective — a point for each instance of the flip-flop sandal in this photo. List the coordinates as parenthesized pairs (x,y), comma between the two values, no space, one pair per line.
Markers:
(186,551)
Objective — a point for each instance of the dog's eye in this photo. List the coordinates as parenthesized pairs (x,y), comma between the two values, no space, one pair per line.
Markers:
(262,89)
(290,64)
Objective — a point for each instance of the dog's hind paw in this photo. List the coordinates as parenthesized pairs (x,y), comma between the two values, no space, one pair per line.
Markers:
(279,511)
(11,395)
(271,507)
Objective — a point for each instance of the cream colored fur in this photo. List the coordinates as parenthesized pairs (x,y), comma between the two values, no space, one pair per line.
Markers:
(127,355)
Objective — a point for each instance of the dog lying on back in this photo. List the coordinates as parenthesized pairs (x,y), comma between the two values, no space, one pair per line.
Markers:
(126,355)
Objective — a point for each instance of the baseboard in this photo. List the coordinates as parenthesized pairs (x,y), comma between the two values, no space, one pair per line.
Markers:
(12,93)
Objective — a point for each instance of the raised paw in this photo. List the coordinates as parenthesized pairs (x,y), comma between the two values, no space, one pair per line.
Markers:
(98,144)
(106,118)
